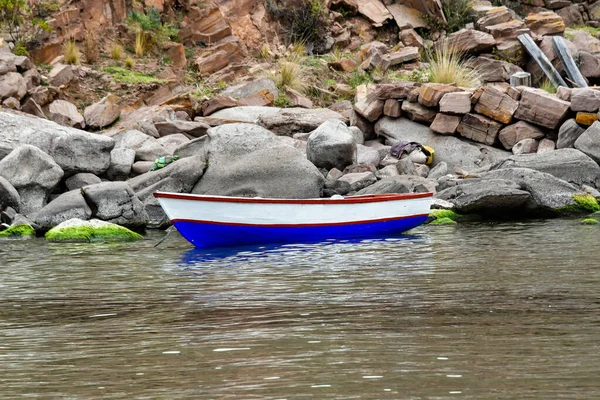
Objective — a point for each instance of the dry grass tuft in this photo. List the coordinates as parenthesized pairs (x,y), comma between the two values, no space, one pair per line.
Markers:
(446,65)
(129,63)
(116,51)
(141,43)
(548,86)
(264,52)
(72,54)
(289,75)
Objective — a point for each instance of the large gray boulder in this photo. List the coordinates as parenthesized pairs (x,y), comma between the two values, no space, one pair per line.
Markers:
(12,84)
(121,160)
(488,197)
(179,177)
(74,150)
(331,145)
(589,142)
(9,197)
(116,202)
(247,160)
(146,147)
(171,142)
(33,173)
(568,134)
(548,193)
(288,121)
(451,150)
(80,180)
(68,205)
(570,165)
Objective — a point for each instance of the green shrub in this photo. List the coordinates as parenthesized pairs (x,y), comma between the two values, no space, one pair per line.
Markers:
(458,13)
(305,23)
(151,25)
(125,76)
(25,26)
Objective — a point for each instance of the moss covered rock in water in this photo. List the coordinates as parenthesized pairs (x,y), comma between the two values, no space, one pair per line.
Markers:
(443,221)
(440,214)
(589,221)
(18,231)
(77,230)
(584,203)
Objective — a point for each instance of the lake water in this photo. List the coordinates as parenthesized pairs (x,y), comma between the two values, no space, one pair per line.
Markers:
(473,311)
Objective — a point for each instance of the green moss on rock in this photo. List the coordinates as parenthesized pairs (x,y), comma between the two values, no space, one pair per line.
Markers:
(18,231)
(76,230)
(584,203)
(590,221)
(443,221)
(439,214)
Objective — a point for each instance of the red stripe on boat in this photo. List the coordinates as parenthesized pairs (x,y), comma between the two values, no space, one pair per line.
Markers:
(370,221)
(348,200)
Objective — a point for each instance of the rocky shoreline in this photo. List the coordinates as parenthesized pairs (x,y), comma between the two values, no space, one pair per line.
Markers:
(50,173)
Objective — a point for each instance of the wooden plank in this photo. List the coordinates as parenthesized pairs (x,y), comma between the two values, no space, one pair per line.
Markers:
(567,61)
(541,59)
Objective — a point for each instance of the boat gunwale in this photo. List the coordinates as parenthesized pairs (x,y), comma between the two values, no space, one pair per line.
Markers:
(369,198)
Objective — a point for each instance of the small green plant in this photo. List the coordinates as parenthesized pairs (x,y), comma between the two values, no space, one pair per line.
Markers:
(129,63)
(357,78)
(25,25)
(447,65)
(154,30)
(189,53)
(264,52)
(548,86)
(458,13)
(20,50)
(116,51)
(282,100)
(132,77)
(71,52)
(18,231)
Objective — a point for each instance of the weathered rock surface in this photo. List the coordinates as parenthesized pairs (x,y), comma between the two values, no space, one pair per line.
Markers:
(359,180)
(545,23)
(34,175)
(172,127)
(246,89)
(496,105)
(431,93)
(471,41)
(570,165)
(445,124)
(514,133)
(493,196)
(61,74)
(525,146)
(116,202)
(146,147)
(418,113)
(12,84)
(9,197)
(589,142)
(178,177)
(541,109)
(121,160)
(66,114)
(80,180)
(68,205)
(247,160)
(479,128)
(548,193)
(568,133)
(493,70)
(288,121)
(448,149)
(103,113)
(456,103)
(587,100)
(331,145)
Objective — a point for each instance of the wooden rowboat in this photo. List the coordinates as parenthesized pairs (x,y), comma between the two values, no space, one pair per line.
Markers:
(216,221)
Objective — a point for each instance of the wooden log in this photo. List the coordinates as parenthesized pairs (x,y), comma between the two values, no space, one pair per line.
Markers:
(567,61)
(541,59)
(520,79)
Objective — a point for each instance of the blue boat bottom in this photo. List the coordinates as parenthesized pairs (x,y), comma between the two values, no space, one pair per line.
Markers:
(202,234)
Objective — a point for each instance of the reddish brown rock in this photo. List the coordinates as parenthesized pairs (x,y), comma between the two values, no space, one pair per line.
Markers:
(207,25)
(545,23)
(586,100)
(514,133)
(411,38)
(496,105)
(586,118)
(431,93)
(456,103)
(345,64)
(103,113)
(508,30)
(217,103)
(541,109)
(392,108)
(494,16)
(258,99)
(418,113)
(479,128)
(471,41)
(370,107)
(297,99)
(445,124)
(176,53)
(404,55)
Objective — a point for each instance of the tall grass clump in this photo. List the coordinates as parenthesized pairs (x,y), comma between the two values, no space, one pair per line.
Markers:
(447,65)
(548,86)
(289,75)
(129,63)
(116,51)
(90,48)
(140,43)
(71,52)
